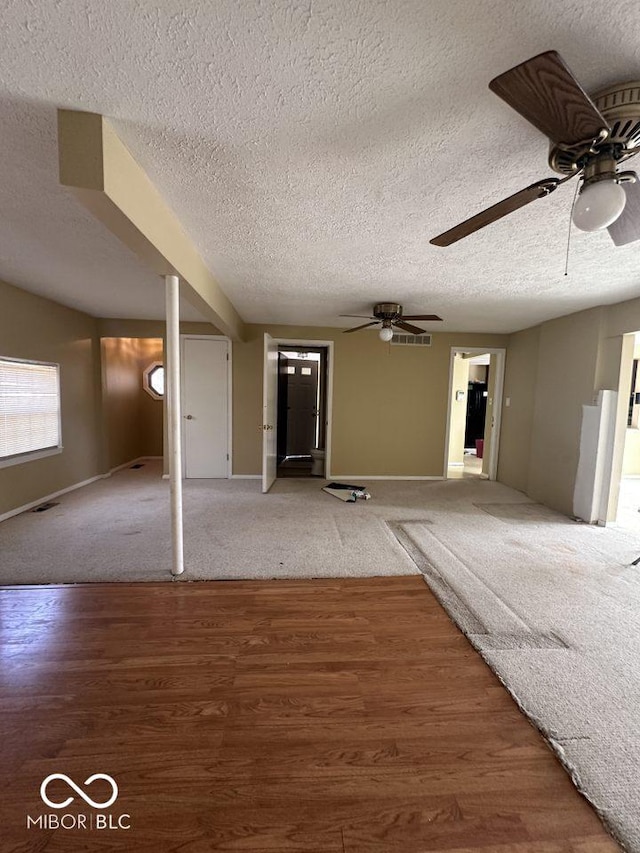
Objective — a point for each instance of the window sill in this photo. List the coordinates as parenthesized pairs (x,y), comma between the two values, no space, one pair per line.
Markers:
(29,457)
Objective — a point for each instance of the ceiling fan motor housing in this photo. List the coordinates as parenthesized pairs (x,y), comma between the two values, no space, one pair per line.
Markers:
(387,311)
(620,106)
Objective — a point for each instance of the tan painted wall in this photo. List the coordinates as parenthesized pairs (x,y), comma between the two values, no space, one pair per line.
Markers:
(552,371)
(521,372)
(567,365)
(114,328)
(477,373)
(132,418)
(151,411)
(461,373)
(389,403)
(150,329)
(41,330)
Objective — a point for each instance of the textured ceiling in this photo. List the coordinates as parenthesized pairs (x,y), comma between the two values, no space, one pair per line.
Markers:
(311,148)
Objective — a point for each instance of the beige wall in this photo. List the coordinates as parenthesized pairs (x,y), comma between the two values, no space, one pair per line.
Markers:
(108,327)
(461,373)
(151,411)
(101,427)
(40,330)
(114,328)
(564,362)
(552,371)
(567,365)
(389,403)
(477,373)
(521,372)
(132,418)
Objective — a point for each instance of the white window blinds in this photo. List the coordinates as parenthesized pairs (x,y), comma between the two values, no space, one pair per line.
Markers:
(29,407)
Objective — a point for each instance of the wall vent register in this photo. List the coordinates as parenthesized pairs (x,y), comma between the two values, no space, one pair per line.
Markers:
(411,340)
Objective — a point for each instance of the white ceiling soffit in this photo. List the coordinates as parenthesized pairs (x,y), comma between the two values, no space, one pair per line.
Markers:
(311,149)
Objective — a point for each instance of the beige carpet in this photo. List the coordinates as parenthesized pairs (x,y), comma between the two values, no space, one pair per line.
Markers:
(118,529)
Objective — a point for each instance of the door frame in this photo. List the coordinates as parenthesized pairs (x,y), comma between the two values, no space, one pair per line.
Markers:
(329,345)
(270,376)
(229,395)
(608,504)
(500,353)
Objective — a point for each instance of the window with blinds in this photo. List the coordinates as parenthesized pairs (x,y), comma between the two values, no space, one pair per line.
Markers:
(29,407)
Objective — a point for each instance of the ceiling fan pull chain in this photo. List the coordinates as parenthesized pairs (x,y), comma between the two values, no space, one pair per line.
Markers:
(573,204)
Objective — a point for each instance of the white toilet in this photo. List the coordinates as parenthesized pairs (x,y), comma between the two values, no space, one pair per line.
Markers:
(317,462)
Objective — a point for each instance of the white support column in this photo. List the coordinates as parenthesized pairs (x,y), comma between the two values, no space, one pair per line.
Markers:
(174,420)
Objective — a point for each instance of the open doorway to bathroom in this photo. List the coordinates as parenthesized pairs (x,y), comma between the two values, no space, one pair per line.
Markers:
(302,411)
(474,408)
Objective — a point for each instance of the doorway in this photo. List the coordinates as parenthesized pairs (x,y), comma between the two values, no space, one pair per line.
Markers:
(475,402)
(285,434)
(301,413)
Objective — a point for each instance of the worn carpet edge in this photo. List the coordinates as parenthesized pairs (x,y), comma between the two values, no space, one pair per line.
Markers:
(457,611)
(553,744)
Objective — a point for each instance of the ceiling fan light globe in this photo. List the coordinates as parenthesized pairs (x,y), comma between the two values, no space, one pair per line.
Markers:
(598,205)
(385,334)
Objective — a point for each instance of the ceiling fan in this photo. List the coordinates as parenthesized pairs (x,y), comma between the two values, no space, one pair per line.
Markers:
(389,314)
(588,138)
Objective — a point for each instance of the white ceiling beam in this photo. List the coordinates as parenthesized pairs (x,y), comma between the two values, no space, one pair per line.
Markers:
(97,166)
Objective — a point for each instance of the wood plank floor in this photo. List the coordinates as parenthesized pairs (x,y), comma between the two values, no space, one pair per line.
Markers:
(327,715)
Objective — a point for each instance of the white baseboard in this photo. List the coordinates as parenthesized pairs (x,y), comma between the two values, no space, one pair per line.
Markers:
(130,463)
(377,477)
(232,477)
(45,498)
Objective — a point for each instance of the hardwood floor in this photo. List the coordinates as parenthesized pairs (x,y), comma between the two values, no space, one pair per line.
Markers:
(328,715)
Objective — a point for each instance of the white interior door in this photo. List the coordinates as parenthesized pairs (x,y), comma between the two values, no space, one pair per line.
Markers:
(269,413)
(205,407)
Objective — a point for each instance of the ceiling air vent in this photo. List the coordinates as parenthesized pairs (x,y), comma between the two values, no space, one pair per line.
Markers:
(411,340)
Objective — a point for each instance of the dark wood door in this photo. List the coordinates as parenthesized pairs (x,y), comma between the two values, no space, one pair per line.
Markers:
(302,412)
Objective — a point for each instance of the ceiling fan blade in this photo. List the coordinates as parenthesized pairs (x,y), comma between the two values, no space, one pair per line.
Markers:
(497,211)
(364,316)
(407,327)
(432,317)
(626,228)
(363,326)
(546,93)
